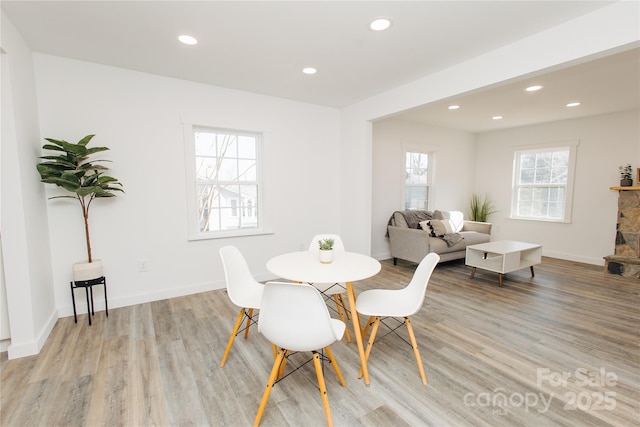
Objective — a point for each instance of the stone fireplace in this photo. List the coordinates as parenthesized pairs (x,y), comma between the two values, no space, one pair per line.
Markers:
(626,259)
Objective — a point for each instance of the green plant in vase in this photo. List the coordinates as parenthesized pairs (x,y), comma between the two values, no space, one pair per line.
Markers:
(480,209)
(72,169)
(326,244)
(326,250)
(626,177)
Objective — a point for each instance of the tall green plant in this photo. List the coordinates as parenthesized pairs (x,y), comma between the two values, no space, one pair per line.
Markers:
(480,209)
(72,170)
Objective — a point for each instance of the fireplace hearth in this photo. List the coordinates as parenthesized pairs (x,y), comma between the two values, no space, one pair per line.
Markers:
(626,259)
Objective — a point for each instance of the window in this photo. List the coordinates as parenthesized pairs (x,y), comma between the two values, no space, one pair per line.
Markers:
(417,180)
(225,175)
(543,183)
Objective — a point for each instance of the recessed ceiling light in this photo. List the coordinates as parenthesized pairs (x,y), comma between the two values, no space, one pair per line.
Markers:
(533,88)
(309,70)
(380,24)
(574,104)
(453,107)
(497,117)
(187,39)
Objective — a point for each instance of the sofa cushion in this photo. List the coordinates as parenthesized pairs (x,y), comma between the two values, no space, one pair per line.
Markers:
(398,220)
(438,227)
(474,238)
(410,218)
(440,214)
(455,218)
(440,246)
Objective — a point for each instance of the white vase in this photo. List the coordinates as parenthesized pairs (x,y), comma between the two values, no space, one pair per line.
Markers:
(326,256)
(84,270)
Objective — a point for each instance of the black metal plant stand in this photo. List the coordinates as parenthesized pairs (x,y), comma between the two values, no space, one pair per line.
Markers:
(88,288)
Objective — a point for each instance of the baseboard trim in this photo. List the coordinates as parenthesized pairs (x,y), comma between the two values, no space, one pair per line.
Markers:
(30,348)
(569,257)
(382,256)
(81,305)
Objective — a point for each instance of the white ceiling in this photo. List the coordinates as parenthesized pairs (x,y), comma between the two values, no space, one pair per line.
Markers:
(262,46)
(605,85)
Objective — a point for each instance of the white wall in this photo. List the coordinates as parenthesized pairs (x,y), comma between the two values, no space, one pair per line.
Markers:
(452,175)
(606,142)
(25,237)
(139,116)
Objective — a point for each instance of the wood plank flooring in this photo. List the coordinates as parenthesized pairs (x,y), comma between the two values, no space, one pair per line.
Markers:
(558,349)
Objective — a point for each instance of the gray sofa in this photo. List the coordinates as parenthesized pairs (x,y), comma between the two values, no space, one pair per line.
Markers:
(410,242)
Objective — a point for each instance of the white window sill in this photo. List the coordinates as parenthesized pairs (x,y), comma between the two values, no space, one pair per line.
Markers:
(227,234)
(559,221)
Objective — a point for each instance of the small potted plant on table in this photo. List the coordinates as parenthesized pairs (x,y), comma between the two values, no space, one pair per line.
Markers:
(326,250)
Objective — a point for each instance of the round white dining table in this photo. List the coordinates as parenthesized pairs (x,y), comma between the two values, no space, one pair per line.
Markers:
(347,267)
(305,266)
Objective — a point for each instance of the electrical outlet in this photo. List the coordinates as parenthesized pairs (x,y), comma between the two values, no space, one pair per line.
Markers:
(143,265)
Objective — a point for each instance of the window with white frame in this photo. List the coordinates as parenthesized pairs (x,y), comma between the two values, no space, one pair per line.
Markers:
(543,183)
(417,180)
(225,190)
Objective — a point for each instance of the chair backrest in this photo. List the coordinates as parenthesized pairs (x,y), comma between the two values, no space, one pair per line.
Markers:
(416,289)
(337,242)
(294,316)
(243,289)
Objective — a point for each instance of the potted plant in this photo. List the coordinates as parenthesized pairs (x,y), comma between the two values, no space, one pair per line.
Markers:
(71,169)
(626,177)
(479,210)
(326,250)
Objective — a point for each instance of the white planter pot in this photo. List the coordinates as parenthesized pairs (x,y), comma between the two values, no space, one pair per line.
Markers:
(84,270)
(325,256)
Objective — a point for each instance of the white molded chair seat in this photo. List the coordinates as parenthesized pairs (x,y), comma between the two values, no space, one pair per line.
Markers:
(294,317)
(332,290)
(398,303)
(243,290)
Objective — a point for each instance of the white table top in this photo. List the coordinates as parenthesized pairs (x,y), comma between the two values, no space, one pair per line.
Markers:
(305,266)
(504,246)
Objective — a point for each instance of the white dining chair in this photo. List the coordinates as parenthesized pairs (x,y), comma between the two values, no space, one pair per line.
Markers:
(243,290)
(332,290)
(397,303)
(294,317)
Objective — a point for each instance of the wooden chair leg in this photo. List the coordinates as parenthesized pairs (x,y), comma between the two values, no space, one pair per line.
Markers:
(323,389)
(270,382)
(249,315)
(232,337)
(372,338)
(415,350)
(339,310)
(346,312)
(366,328)
(283,364)
(335,366)
(339,306)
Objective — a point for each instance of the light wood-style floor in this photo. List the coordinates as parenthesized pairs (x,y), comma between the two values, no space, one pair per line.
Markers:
(558,349)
